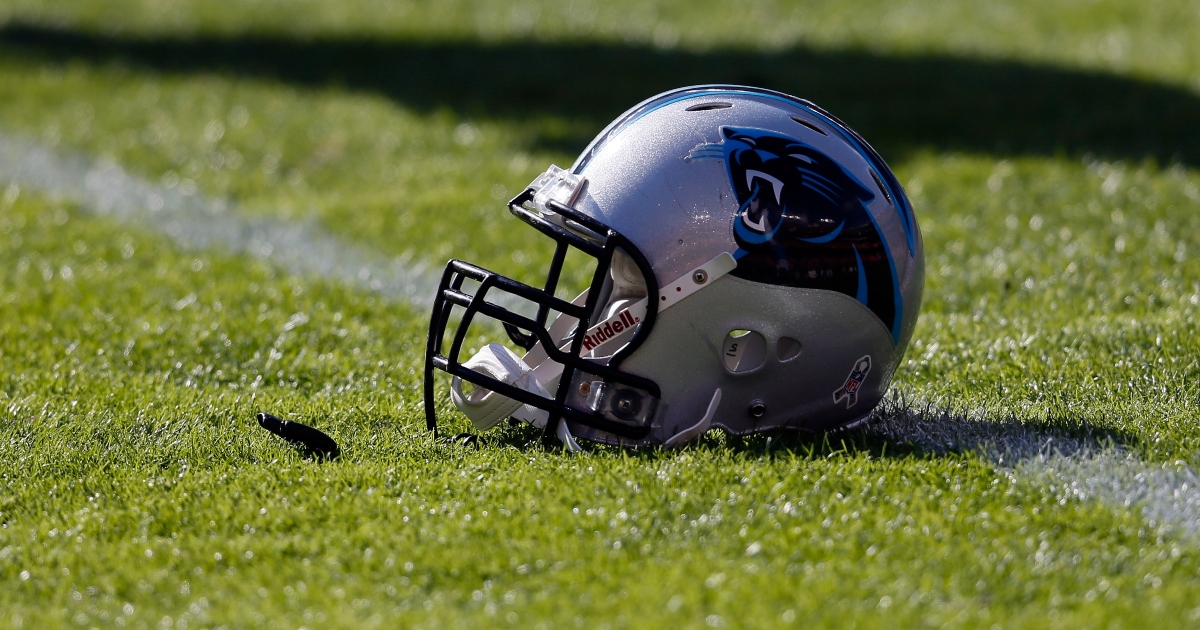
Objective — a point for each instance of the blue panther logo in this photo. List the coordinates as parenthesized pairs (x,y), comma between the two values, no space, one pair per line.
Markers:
(802,221)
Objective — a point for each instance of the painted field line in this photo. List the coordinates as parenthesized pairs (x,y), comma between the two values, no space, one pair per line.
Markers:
(1072,464)
(199,223)
(1168,494)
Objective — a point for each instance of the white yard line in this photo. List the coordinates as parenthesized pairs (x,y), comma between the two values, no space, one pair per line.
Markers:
(196,222)
(1082,468)
(1072,466)
(1168,494)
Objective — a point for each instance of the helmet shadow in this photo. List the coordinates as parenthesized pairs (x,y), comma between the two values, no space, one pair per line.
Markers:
(899,429)
(896,429)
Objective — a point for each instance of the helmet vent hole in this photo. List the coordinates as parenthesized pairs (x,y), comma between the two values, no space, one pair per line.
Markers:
(810,125)
(743,351)
(882,188)
(787,349)
(703,107)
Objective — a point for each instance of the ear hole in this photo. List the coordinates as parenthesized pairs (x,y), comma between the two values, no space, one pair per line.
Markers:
(810,125)
(744,350)
(787,349)
(703,107)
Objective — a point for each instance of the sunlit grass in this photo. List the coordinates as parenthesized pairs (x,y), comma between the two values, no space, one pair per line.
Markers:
(1062,291)
(140,487)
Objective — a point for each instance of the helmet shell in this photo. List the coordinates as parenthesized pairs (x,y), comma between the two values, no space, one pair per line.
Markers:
(830,257)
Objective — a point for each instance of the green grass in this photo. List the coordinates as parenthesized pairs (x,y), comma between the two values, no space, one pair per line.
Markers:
(140,483)
(1078,307)
(1051,150)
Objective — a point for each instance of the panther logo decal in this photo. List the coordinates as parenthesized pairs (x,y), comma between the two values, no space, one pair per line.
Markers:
(802,221)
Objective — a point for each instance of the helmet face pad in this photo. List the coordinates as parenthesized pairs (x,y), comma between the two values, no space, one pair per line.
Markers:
(823,254)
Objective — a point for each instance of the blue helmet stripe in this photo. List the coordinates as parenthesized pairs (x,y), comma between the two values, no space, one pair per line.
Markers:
(888,180)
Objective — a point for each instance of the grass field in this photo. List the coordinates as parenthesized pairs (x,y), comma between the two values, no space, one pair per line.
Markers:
(1033,467)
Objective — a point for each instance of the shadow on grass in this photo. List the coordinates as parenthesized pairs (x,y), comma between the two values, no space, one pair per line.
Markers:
(569,91)
(898,429)
(895,429)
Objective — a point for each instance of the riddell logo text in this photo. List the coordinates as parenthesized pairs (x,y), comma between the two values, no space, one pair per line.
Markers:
(609,330)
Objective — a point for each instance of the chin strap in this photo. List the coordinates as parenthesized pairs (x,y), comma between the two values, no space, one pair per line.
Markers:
(486,408)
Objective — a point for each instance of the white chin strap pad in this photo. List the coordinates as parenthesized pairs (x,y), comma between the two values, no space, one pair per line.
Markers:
(486,408)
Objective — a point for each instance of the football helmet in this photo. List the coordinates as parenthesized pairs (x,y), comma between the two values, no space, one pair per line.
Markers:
(757,266)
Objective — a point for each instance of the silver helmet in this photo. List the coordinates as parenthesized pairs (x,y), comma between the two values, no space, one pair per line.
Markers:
(758,267)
